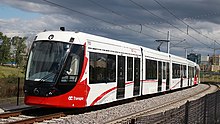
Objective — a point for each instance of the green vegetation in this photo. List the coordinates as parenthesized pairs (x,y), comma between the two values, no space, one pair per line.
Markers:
(9,84)
(209,77)
(9,87)
(13,50)
(4,48)
(10,72)
(13,57)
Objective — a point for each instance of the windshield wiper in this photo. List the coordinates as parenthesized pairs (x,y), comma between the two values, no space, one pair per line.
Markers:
(62,67)
(48,76)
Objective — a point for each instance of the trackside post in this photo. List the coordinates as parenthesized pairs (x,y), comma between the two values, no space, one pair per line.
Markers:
(18,91)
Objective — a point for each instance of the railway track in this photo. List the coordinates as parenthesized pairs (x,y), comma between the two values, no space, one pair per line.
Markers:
(29,116)
(24,116)
(163,107)
(36,115)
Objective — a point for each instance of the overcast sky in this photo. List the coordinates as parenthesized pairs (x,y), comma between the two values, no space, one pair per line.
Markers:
(135,21)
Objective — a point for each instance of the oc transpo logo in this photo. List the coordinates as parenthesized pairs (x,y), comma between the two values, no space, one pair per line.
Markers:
(74,98)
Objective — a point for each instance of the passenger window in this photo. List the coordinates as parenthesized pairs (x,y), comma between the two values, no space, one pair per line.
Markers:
(184,71)
(176,70)
(111,68)
(129,69)
(102,68)
(164,70)
(151,69)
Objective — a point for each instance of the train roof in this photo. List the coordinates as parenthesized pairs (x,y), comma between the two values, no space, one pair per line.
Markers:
(62,36)
(81,38)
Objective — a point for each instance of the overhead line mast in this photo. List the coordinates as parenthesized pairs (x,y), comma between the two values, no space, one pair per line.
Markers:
(167,41)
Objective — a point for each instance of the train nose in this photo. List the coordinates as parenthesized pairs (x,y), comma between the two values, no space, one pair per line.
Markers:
(36,91)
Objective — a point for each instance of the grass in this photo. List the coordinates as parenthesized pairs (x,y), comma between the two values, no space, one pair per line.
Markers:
(9,84)
(209,77)
(9,87)
(11,101)
(7,72)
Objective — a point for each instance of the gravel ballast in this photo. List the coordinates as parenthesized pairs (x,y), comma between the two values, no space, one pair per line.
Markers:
(111,113)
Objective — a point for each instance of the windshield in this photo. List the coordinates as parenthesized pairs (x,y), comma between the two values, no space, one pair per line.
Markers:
(45,60)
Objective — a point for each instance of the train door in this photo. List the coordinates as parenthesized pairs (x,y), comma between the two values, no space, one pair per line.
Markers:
(159,76)
(136,90)
(168,76)
(121,78)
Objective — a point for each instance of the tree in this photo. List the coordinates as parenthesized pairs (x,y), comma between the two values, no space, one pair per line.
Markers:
(4,49)
(20,49)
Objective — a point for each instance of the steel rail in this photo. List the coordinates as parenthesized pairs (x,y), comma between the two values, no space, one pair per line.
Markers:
(10,114)
(6,116)
(39,119)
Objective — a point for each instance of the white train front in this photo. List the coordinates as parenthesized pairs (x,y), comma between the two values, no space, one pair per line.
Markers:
(73,70)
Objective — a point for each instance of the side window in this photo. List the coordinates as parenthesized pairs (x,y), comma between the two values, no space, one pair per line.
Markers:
(189,72)
(194,71)
(111,68)
(102,68)
(129,69)
(164,70)
(151,69)
(176,70)
(184,71)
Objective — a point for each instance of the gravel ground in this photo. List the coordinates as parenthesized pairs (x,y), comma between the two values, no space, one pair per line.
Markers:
(105,115)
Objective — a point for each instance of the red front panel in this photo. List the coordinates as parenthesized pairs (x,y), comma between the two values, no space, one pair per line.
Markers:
(77,97)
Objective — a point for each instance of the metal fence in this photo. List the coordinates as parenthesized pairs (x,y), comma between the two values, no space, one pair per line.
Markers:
(11,91)
(205,110)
